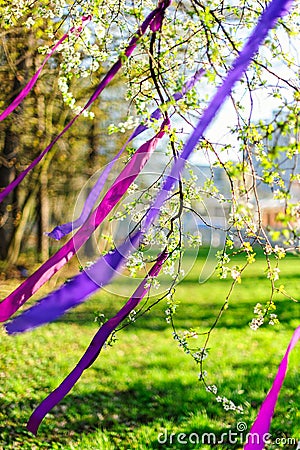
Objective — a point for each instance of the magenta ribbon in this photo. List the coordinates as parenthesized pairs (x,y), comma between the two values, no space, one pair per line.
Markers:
(62,230)
(148,22)
(33,80)
(260,429)
(275,10)
(94,349)
(130,172)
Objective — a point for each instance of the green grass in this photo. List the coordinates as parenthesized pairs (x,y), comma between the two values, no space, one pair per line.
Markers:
(145,384)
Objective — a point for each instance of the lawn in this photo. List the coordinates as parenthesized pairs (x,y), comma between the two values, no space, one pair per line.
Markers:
(144,388)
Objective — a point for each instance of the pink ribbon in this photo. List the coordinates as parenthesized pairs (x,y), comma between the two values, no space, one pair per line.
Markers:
(260,429)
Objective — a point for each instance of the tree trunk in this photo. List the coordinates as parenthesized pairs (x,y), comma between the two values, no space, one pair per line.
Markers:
(89,248)
(8,208)
(43,215)
(43,240)
(27,213)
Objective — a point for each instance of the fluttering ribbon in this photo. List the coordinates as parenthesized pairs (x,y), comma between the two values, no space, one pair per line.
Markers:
(75,291)
(276,9)
(120,186)
(259,431)
(94,348)
(62,230)
(26,90)
(151,21)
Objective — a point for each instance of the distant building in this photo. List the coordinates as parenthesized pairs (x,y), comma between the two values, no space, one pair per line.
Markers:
(271,210)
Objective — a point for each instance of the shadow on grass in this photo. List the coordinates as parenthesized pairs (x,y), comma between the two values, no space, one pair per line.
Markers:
(190,314)
(247,278)
(174,406)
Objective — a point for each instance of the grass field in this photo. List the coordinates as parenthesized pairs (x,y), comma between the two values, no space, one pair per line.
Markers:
(145,385)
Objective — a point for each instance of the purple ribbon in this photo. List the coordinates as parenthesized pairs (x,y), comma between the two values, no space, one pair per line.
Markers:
(62,230)
(18,297)
(74,291)
(93,350)
(33,80)
(106,80)
(260,429)
(275,10)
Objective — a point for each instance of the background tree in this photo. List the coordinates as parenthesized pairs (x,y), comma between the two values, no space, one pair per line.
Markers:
(40,202)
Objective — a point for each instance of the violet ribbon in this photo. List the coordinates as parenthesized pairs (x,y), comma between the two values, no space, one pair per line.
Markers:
(94,349)
(106,80)
(259,432)
(62,230)
(276,9)
(25,91)
(130,172)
